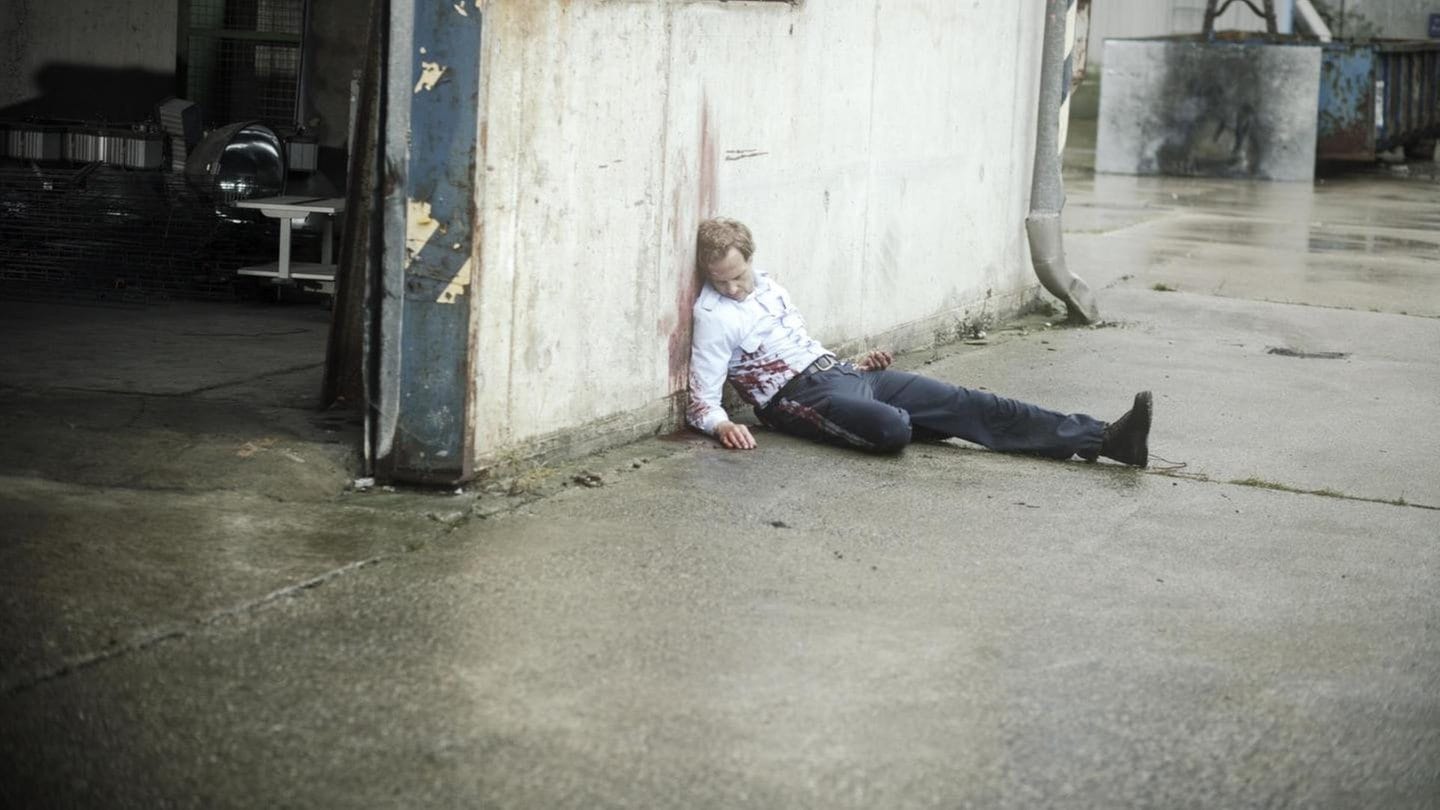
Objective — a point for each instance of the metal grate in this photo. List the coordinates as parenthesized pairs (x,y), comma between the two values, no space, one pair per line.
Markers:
(243,59)
(104,233)
(265,16)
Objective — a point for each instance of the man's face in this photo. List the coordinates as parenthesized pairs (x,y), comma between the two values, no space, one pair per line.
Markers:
(731,276)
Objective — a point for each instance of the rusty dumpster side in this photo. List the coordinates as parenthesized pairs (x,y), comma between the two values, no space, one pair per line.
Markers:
(1375,96)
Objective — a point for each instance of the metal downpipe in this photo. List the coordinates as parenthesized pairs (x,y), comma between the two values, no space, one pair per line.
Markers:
(1047,188)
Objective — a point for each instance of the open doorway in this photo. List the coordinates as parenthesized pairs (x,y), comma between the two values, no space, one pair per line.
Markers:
(137,353)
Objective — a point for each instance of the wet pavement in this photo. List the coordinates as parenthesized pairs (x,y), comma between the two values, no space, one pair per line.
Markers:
(1251,622)
(1360,238)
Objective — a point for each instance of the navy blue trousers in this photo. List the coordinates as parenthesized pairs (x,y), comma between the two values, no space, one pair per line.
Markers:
(881,411)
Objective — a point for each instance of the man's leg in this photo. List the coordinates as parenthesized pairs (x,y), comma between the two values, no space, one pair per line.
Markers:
(1006,425)
(837,406)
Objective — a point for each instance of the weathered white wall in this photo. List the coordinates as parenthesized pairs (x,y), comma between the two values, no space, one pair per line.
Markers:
(879,149)
(136,34)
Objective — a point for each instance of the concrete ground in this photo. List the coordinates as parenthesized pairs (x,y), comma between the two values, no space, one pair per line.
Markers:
(197,610)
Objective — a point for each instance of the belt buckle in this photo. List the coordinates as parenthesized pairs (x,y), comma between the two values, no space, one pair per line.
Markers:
(824,362)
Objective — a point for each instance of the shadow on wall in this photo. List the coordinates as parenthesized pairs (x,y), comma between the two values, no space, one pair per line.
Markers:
(88,93)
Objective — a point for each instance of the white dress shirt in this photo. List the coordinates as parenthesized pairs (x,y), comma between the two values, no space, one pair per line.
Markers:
(759,344)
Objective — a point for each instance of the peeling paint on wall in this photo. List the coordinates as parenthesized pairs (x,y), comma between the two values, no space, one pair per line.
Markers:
(425,351)
(457,285)
(430,75)
(419,227)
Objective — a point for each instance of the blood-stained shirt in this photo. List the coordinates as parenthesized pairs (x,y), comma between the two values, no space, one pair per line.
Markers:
(759,344)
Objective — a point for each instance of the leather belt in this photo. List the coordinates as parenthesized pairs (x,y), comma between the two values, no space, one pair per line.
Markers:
(824,362)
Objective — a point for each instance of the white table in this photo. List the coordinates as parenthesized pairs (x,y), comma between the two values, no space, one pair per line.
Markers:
(285,209)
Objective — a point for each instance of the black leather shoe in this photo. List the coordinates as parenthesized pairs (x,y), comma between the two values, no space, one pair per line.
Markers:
(1127,439)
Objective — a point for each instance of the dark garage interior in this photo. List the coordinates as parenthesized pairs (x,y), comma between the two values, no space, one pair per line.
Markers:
(137,289)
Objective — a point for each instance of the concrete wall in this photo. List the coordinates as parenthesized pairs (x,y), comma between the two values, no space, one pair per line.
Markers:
(880,150)
(85,58)
(1399,19)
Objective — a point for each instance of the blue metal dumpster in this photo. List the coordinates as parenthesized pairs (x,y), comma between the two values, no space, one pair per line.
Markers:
(1375,96)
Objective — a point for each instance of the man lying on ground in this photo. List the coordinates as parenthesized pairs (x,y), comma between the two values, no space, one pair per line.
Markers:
(748,330)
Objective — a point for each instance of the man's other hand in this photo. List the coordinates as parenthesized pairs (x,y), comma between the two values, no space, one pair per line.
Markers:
(735,437)
(875,360)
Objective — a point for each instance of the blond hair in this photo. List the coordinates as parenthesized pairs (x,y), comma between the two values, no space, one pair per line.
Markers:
(716,237)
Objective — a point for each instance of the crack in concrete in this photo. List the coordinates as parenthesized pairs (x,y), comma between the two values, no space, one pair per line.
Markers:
(1335,307)
(82,662)
(177,489)
(144,641)
(1260,483)
(85,661)
(179,394)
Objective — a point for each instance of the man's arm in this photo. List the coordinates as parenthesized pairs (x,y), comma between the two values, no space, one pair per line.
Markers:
(710,351)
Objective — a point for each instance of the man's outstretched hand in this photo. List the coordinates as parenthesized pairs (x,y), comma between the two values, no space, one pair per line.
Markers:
(875,360)
(735,437)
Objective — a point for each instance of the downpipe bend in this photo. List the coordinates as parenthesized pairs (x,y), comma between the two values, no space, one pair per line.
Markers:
(1047,188)
(1047,253)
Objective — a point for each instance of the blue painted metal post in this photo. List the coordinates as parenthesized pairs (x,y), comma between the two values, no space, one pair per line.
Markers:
(424,360)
